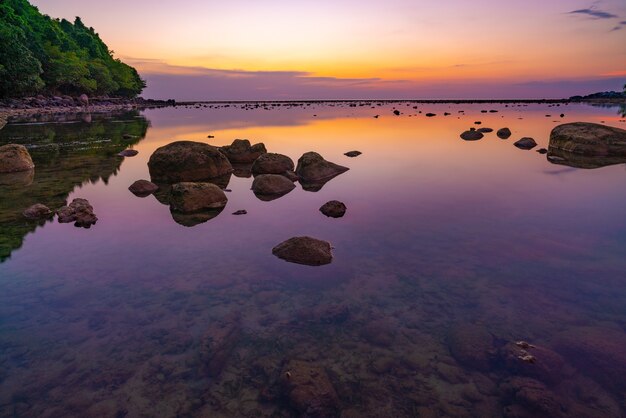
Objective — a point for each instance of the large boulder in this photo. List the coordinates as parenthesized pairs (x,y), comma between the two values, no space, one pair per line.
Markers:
(185,161)
(272,163)
(14,158)
(241,151)
(314,171)
(589,139)
(187,197)
(309,390)
(304,250)
(272,185)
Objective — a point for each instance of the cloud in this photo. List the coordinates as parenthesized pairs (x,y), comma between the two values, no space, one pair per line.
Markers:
(594,13)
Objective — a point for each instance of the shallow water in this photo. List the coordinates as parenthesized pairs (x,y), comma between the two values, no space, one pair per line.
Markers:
(450,252)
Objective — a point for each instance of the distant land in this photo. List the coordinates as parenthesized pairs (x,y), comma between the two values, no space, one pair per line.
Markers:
(42,55)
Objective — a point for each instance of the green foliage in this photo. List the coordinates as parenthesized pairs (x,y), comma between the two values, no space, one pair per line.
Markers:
(40,54)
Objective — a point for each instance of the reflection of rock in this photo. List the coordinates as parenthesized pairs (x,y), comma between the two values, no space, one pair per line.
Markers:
(314,171)
(526,143)
(242,170)
(187,161)
(598,352)
(587,145)
(195,218)
(471,135)
(272,163)
(471,345)
(240,151)
(304,250)
(66,155)
(271,186)
(80,212)
(143,188)
(309,390)
(37,211)
(503,133)
(15,158)
(218,343)
(333,209)
(190,197)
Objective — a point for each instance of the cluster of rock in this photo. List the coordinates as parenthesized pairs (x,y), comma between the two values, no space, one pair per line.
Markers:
(79,211)
(65,101)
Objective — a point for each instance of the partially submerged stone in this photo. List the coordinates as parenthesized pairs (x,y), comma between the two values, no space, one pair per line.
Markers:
(128,153)
(471,135)
(272,163)
(242,152)
(80,212)
(309,390)
(272,186)
(37,211)
(352,154)
(188,197)
(314,171)
(333,209)
(15,158)
(185,161)
(304,250)
(484,130)
(143,188)
(526,143)
(503,133)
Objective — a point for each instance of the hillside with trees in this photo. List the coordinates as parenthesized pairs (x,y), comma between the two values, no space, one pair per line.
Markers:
(42,55)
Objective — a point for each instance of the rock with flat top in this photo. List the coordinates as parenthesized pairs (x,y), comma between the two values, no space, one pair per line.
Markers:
(590,139)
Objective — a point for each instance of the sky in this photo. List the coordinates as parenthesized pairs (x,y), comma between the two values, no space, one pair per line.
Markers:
(362,49)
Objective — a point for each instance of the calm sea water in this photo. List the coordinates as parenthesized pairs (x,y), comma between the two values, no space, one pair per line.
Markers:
(450,252)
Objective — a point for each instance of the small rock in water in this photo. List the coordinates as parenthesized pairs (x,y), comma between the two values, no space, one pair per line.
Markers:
(542,151)
(80,212)
(143,188)
(128,153)
(471,135)
(485,130)
(352,153)
(240,212)
(504,133)
(430,115)
(333,209)
(304,250)
(37,211)
(477,122)
(526,143)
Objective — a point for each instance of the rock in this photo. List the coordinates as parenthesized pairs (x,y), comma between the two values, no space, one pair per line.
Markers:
(314,171)
(80,212)
(484,130)
(83,99)
(353,154)
(472,135)
(185,161)
(569,159)
(128,153)
(526,143)
(333,209)
(37,211)
(380,332)
(503,133)
(540,363)
(291,175)
(304,250)
(240,212)
(143,188)
(430,115)
(272,185)
(600,353)
(240,151)
(187,197)
(471,346)
(533,397)
(309,390)
(14,158)
(590,139)
(218,343)
(396,112)
(272,163)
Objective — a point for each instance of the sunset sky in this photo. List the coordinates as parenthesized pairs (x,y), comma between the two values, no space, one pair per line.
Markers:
(349,49)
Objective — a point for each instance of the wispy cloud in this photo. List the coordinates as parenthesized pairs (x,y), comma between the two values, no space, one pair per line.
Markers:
(594,13)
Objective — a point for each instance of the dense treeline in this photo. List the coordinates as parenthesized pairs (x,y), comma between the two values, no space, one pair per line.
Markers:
(39,54)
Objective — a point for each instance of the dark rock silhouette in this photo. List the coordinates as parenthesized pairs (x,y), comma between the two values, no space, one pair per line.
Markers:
(503,133)
(304,250)
(271,186)
(143,188)
(333,209)
(272,163)
(314,171)
(471,135)
(242,152)
(526,143)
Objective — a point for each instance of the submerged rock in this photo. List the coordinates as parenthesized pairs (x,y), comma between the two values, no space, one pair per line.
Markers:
(471,346)
(309,390)
(589,139)
(531,399)
(333,209)
(143,188)
(272,163)
(15,158)
(79,211)
(526,143)
(241,151)
(304,250)
(472,135)
(218,343)
(185,161)
(528,360)
(503,133)
(314,171)
(352,154)
(37,211)
(187,197)
(272,185)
